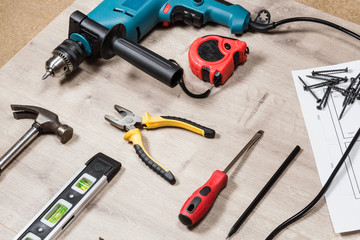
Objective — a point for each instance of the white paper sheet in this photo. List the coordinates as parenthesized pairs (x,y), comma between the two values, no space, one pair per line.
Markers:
(329,138)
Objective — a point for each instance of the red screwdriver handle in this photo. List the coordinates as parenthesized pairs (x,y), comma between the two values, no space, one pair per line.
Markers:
(202,199)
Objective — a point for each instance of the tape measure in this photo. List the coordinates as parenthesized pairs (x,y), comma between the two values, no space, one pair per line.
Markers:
(214,58)
(71,200)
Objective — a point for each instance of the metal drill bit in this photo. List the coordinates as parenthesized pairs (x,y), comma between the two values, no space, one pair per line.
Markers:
(47,74)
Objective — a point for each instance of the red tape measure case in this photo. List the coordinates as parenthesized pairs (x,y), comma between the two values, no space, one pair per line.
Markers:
(214,58)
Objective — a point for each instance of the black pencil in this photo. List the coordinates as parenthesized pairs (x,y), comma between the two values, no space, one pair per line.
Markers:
(263,192)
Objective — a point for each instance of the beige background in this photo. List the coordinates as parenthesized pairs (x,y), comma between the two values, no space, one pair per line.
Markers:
(20,21)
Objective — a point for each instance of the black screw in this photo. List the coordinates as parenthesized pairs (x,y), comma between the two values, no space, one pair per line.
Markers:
(343,92)
(342,112)
(355,92)
(352,94)
(328,78)
(344,107)
(357,77)
(345,79)
(350,90)
(319,107)
(318,85)
(324,99)
(312,93)
(326,96)
(320,78)
(330,71)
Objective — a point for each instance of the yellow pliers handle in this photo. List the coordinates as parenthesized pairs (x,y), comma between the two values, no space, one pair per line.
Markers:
(150,122)
(134,136)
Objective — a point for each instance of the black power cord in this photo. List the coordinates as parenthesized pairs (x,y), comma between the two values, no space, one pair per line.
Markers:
(187,91)
(319,195)
(262,23)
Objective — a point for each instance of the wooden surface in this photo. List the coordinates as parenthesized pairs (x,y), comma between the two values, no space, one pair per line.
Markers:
(138,204)
(21,21)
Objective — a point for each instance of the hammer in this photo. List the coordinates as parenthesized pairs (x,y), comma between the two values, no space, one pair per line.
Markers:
(45,122)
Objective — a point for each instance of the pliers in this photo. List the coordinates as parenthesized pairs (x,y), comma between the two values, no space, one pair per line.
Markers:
(132,124)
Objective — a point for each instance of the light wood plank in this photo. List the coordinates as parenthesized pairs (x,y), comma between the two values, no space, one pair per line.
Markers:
(138,204)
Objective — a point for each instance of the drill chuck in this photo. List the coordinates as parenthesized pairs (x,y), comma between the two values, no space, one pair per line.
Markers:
(66,58)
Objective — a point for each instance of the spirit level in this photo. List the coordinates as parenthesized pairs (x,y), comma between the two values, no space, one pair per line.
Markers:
(71,200)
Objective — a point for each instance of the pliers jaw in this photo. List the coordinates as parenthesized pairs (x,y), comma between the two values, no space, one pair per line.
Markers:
(128,119)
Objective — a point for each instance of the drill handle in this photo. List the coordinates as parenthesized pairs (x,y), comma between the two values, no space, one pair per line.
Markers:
(200,12)
(153,64)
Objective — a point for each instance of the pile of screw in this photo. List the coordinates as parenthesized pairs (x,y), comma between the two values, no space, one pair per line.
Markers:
(330,81)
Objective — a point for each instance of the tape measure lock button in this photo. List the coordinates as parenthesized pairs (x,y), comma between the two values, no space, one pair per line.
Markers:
(217,78)
(206,76)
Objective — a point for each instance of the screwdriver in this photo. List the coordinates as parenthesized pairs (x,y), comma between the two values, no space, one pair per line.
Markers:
(199,203)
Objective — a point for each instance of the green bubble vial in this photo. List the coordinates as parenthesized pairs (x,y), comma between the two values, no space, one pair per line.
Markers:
(84,184)
(58,214)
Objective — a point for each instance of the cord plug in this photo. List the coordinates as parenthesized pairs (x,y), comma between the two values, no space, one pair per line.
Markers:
(262,22)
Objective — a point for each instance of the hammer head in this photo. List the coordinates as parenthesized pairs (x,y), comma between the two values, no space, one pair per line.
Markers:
(47,122)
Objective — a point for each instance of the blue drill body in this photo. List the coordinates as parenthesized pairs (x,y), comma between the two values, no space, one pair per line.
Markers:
(140,16)
(115,26)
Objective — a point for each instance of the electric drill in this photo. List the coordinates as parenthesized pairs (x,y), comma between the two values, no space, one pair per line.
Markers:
(115,26)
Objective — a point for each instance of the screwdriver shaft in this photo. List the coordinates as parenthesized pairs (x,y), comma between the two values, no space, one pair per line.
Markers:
(254,139)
